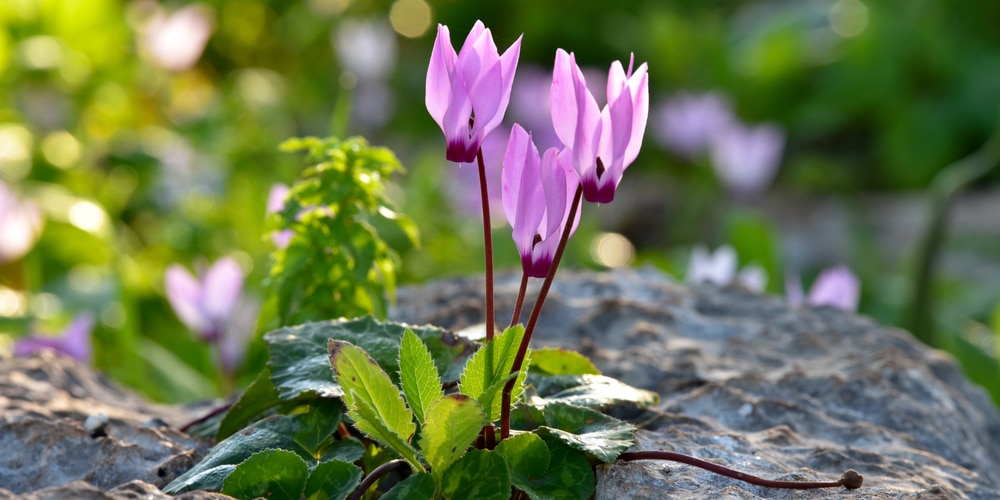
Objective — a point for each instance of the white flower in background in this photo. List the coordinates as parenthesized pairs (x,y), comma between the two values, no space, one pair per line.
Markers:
(367,52)
(366,48)
(835,287)
(746,157)
(20,224)
(175,41)
(720,268)
(687,123)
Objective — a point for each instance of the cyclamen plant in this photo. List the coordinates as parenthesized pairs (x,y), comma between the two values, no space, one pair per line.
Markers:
(421,402)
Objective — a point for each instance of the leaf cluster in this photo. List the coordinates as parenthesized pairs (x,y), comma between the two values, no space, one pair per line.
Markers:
(339,398)
(336,262)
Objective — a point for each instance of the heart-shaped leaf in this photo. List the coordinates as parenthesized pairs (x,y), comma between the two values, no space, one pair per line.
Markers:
(277,474)
(300,360)
(598,435)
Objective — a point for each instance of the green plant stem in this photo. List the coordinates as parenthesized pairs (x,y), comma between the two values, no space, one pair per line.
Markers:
(522,350)
(375,475)
(487,244)
(946,185)
(514,318)
(850,479)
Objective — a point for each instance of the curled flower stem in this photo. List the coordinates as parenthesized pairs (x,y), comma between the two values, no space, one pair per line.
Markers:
(850,479)
(375,475)
(522,350)
(487,244)
(514,318)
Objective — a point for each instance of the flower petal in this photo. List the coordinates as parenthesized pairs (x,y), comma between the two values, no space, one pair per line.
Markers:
(836,287)
(185,295)
(440,73)
(523,194)
(222,289)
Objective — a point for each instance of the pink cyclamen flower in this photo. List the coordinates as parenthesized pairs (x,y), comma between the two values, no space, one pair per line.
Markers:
(537,197)
(687,123)
(746,158)
(720,268)
(604,142)
(20,224)
(206,306)
(74,341)
(836,287)
(468,92)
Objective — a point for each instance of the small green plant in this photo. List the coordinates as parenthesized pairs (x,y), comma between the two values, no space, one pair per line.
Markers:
(390,387)
(335,263)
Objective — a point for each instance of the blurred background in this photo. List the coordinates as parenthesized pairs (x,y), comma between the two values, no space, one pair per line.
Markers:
(800,134)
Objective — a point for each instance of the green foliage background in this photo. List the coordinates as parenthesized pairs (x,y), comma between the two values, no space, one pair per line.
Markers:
(180,162)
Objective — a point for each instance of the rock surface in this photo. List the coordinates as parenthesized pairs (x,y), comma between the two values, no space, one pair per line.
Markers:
(67,432)
(749,382)
(745,380)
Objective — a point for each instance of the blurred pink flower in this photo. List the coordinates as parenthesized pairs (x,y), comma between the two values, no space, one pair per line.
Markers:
(215,308)
(746,158)
(835,287)
(687,123)
(20,224)
(275,203)
(73,342)
(529,105)
(467,92)
(206,305)
(720,268)
(176,41)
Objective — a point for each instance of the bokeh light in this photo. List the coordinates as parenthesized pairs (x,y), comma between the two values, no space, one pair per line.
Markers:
(612,250)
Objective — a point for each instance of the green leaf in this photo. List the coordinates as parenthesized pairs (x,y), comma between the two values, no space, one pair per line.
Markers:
(418,486)
(597,435)
(479,475)
(489,369)
(366,419)
(453,424)
(258,397)
(527,458)
(274,432)
(563,473)
(363,379)
(417,373)
(593,391)
(300,363)
(332,480)
(319,425)
(552,361)
(276,474)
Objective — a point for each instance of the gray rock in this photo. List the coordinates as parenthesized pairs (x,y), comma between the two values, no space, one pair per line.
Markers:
(749,382)
(62,426)
(132,490)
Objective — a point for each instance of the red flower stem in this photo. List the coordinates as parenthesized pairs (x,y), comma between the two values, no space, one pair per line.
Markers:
(850,479)
(516,317)
(522,350)
(487,244)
